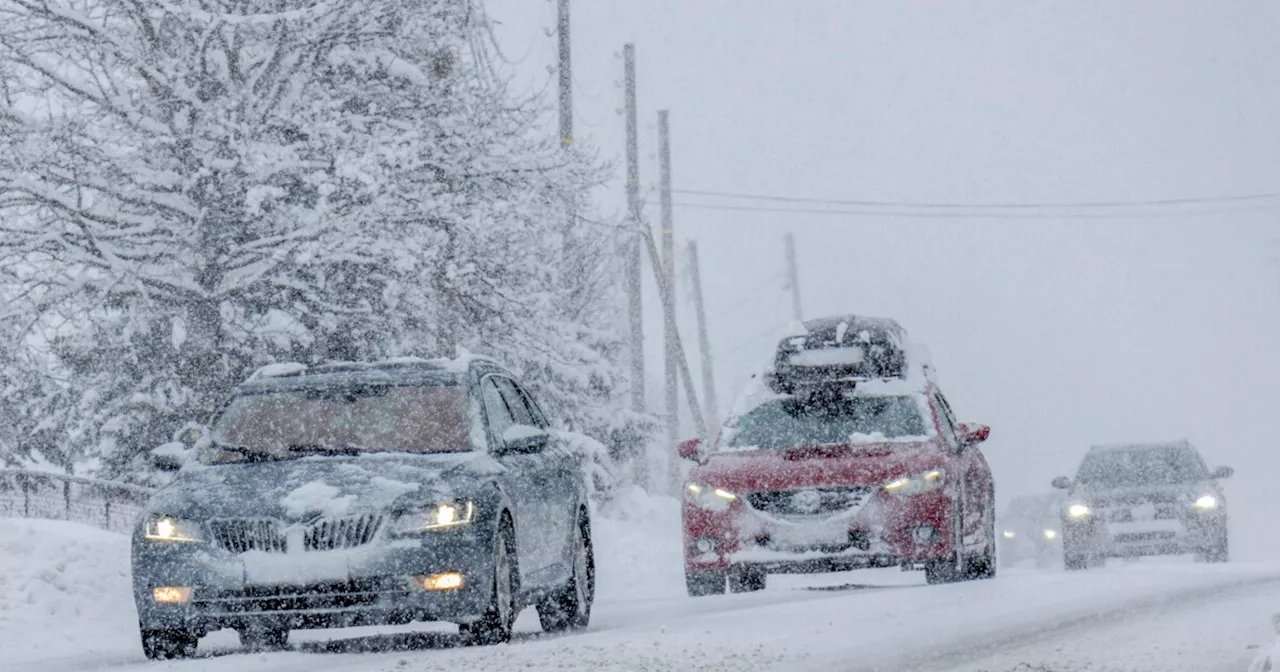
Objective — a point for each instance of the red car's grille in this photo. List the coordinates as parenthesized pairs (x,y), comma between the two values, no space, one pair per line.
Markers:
(823,501)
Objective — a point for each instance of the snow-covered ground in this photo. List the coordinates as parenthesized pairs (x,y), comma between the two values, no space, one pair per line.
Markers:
(65,605)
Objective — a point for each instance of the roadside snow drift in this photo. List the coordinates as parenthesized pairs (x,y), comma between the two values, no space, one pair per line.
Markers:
(64,590)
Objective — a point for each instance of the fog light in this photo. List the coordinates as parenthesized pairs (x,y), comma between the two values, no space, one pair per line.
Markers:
(172,594)
(924,534)
(705,545)
(445,581)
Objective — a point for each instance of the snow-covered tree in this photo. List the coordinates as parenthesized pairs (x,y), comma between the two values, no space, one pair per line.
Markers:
(192,189)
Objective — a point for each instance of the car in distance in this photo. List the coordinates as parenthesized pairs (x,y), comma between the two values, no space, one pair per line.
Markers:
(848,457)
(377,493)
(1133,500)
(1030,530)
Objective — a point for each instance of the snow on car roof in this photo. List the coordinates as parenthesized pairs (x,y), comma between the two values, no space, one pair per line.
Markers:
(1151,445)
(459,364)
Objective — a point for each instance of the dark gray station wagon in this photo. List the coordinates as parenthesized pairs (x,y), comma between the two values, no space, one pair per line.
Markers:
(364,494)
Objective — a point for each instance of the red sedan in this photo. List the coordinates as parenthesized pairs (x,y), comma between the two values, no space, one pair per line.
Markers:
(848,473)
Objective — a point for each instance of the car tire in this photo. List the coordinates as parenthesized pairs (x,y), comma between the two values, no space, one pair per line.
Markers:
(983,565)
(941,571)
(264,638)
(167,644)
(494,625)
(1073,560)
(1219,552)
(744,579)
(703,583)
(570,608)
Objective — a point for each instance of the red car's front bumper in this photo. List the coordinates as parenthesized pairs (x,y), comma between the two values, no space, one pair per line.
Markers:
(887,530)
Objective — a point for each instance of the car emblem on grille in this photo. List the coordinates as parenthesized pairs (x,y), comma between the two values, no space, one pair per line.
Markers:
(806,501)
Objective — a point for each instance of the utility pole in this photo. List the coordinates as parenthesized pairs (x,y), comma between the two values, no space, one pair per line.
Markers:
(635,307)
(793,277)
(566,77)
(571,265)
(669,279)
(708,377)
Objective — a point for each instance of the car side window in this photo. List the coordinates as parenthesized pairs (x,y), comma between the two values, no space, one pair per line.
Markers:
(945,418)
(515,402)
(539,418)
(495,408)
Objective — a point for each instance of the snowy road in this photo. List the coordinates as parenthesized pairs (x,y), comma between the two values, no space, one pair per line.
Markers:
(64,607)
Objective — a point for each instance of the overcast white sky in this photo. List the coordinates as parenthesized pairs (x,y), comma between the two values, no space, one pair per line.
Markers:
(1059,333)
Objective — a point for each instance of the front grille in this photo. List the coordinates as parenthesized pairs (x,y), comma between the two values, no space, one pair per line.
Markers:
(824,501)
(240,536)
(1145,536)
(322,596)
(327,535)
(270,536)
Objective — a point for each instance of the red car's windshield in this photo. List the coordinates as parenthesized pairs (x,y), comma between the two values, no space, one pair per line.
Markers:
(791,422)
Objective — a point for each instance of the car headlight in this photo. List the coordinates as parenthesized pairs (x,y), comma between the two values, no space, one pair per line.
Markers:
(1009,534)
(166,528)
(1078,511)
(1050,534)
(441,516)
(1206,503)
(925,481)
(709,497)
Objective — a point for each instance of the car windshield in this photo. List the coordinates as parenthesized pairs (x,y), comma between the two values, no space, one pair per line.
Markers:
(793,422)
(1141,466)
(350,419)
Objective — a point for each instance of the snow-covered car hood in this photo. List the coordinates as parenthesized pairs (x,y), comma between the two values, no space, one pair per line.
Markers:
(861,464)
(328,486)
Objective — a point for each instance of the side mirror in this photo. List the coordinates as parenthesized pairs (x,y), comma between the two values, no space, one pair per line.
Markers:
(1222,472)
(524,439)
(169,457)
(688,448)
(971,433)
(1062,483)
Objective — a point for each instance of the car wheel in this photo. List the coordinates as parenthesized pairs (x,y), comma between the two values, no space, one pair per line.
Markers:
(1074,560)
(494,625)
(744,579)
(166,644)
(941,571)
(1219,552)
(570,608)
(983,566)
(263,638)
(701,584)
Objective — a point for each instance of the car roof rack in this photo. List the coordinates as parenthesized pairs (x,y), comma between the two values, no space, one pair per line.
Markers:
(840,351)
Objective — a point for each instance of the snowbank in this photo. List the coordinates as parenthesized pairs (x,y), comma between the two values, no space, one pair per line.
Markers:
(1268,660)
(638,548)
(64,586)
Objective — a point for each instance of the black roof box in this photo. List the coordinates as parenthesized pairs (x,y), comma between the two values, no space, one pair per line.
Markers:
(840,350)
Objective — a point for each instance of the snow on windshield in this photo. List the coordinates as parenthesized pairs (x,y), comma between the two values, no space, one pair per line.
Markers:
(786,421)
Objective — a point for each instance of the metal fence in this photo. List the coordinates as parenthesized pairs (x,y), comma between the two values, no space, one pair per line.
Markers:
(106,504)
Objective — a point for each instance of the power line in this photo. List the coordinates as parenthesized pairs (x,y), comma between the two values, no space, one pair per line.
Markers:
(1069,205)
(935,214)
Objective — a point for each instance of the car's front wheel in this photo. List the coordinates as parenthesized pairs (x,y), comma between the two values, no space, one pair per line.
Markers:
(570,608)
(1218,552)
(703,583)
(494,625)
(166,644)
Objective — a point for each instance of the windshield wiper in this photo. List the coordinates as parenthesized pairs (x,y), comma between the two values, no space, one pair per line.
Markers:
(305,449)
(250,453)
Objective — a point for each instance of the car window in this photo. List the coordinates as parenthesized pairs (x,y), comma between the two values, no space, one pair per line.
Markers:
(495,407)
(539,419)
(1120,467)
(515,402)
(792,422)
